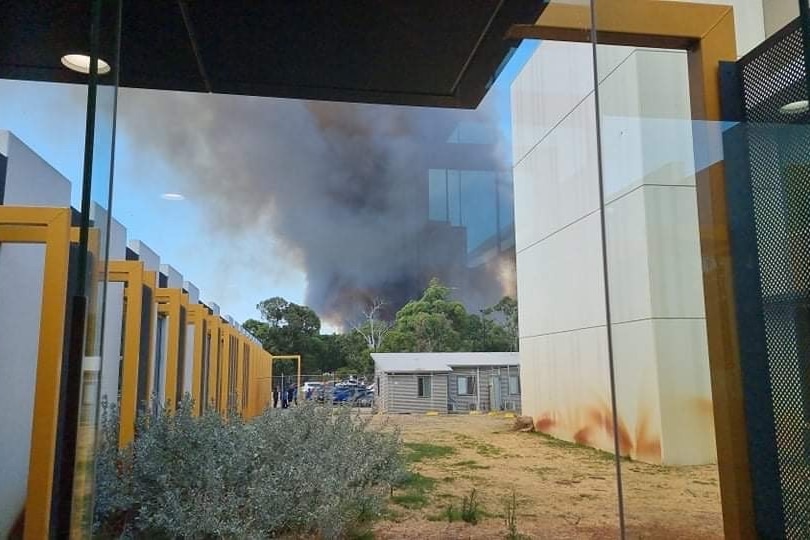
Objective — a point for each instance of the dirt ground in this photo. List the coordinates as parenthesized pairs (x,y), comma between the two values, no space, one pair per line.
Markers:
(562,490)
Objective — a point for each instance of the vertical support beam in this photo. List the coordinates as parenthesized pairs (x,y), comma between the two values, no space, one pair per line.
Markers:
(150,281)
(51,227)
(131,274)
(718,44)
(196,317)
(215,353)
(48,372)
(240,372)
(225,362)
(170,302)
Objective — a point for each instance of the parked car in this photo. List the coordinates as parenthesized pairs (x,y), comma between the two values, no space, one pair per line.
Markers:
(343,394)
(310,385)
(364,399)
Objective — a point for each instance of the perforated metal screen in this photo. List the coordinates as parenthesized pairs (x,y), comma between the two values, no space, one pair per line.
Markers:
(774,94)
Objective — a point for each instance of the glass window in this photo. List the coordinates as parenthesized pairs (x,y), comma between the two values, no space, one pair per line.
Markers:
(437,195)
(514,385)
(423,386)
(466,385)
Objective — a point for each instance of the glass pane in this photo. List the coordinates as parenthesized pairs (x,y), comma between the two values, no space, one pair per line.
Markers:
(674,247)
(101,355)
(565,372)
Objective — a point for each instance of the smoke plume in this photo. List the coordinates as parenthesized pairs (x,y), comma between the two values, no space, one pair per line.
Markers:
(342,188)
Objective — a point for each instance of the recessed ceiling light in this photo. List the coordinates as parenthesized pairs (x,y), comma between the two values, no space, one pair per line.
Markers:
(81,64)
(172,197)
(795,107)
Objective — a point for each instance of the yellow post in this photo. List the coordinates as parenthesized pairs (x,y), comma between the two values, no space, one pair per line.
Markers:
(49,226)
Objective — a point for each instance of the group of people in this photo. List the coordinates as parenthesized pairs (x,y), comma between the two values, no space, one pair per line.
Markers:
(287,397)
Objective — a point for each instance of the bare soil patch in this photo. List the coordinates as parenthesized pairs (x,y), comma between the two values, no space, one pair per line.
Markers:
(563,490)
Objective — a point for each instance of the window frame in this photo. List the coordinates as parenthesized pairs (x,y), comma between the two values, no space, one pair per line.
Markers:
(470,384)
(516,378)
(420,386)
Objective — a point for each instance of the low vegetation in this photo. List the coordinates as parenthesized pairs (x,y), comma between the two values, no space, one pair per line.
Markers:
(425,451)
(307,470)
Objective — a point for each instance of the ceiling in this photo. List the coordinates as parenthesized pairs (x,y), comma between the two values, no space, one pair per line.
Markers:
(440,53)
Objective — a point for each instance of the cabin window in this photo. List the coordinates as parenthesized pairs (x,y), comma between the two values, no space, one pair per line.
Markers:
(423,386)
(465,385)
(514,385)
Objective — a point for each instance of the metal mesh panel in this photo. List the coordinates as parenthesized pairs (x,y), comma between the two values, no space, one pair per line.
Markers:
(773,76)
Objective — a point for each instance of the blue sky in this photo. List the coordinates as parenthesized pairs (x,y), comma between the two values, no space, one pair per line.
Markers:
(50,119)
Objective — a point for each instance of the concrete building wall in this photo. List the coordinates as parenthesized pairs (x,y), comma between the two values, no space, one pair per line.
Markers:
(653,253)
(654,266)
(28,181)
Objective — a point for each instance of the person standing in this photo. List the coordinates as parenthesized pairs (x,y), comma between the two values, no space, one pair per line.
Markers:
(276,392)
(290,394)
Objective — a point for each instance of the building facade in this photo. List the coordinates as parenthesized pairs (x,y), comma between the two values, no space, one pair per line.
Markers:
(161,342)
(409,383)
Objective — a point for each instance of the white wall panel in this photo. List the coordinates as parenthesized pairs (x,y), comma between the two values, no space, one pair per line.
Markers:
(569,377)
(553,81)
(560,284)
(685,391)
(628,258)
(676,272)
(556,184)
(21,273)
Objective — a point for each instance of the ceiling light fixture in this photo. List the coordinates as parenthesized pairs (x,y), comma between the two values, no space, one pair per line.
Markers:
(172,197)
(795,107)
(81,64)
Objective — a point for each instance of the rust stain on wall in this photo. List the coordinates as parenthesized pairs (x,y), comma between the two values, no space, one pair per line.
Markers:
(593,426)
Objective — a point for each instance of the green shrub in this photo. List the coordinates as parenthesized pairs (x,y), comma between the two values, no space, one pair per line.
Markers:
(510,517)
(416,488)
(469,509)
(307,469)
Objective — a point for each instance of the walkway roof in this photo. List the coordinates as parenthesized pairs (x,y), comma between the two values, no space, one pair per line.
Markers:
(442,53)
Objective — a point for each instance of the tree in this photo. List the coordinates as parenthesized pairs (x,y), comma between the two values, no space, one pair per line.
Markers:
(434,323)
(437,323)
(289,328)
(507,309)
(355,353)
(371,326)
(280,313)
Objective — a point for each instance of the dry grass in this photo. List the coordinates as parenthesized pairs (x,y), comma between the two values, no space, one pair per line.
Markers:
(563,491)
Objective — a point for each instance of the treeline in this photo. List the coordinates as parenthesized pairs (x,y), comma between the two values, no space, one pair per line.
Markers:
(433,323)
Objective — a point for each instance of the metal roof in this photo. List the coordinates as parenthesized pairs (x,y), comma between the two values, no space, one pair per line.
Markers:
(441,362)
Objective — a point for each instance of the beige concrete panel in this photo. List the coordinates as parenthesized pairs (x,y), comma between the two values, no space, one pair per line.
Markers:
(628,258)
(554,80)
(685,392)
(637,396)
(566,386)
(560,283)
(673,243)
(557,183)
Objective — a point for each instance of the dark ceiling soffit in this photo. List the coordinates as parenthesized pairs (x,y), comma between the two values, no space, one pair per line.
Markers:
(496,42)
(473,82)
(493,49)
(194,45)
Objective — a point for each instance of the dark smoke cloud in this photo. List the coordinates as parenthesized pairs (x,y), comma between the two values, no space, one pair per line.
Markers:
(341,187)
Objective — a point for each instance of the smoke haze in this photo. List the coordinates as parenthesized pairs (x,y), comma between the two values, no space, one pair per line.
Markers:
(340,189)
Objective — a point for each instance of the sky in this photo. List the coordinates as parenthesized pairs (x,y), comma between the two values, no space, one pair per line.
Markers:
(235,260)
